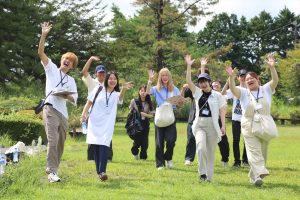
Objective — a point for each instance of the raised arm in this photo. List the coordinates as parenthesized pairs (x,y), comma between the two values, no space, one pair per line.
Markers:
(46,27)
(85,70)
(231,73)
(125,86)
(203,62)
(151,75)
(224,90)
(189,62)
(271,64)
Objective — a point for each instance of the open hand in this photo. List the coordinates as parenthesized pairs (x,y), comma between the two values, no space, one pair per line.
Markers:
(46,27)
(203,61)
(188,60)
(151,74)
(127,85)
(270,60)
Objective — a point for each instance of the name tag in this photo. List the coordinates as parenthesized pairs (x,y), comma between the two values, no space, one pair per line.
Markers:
(205,111)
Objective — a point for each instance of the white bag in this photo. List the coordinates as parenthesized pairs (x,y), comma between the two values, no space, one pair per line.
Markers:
(264,127)
(164,115)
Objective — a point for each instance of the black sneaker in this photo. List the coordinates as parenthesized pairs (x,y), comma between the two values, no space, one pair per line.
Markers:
(203,177)
(236,165)
(246,164)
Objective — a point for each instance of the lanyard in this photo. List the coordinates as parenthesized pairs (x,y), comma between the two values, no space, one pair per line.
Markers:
(256,95)
(62,78)
(107,99)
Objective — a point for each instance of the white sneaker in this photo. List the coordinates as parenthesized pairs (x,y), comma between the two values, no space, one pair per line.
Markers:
(160,168)
(224,164)
(187,162)
(136,157)
(170,164)
(53,177)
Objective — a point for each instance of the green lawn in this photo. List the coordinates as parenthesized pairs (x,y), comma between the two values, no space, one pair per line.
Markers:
(131,179)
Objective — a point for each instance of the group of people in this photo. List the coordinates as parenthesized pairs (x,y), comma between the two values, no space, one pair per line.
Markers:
(206,124)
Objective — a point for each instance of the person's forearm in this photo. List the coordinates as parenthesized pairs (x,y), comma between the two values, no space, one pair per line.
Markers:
(41,48)
(222,115)
(235,91)
(149,84)
(224,90)
(274,76)
(85,70)
(189,79)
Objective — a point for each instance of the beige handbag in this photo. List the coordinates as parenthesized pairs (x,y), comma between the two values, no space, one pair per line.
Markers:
(264,127)
(164,115)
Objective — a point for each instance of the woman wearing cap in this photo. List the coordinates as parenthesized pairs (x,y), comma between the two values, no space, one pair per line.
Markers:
(255,98)
(209,106)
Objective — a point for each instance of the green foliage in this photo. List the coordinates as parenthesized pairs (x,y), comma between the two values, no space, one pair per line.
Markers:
(15,104)
(295,116)
(22,127)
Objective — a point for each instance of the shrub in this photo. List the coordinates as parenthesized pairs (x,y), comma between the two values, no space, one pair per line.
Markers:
(295,116)
(15,104)
(22,127)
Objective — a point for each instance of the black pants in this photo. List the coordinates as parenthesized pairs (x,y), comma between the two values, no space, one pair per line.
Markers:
(224,148)
(141,140)
(236,133)
(190,144)
(110,152)
(166,134)
(100,157)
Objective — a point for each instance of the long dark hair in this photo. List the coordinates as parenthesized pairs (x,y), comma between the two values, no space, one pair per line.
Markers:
(147,98)
(117,87)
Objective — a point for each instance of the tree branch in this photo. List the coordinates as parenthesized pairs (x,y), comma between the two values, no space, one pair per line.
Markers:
(181,14)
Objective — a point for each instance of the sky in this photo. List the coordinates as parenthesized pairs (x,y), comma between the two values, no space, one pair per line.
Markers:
(247,8)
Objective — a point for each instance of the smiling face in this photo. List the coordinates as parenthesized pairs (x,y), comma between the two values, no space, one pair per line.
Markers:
(216,86)
(204,84)
(164,78)
(252,81)
(68,61)
(112,81)
(143,93)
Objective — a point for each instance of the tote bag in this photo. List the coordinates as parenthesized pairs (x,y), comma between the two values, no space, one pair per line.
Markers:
(264,127)
(164,115)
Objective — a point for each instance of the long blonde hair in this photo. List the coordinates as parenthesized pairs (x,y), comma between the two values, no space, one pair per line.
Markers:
(170,85)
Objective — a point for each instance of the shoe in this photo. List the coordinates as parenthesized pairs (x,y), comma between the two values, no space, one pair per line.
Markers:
(48,170)
(203,177)
(224,164)
(103,176)
(170,164)
(187,162)
(258,182)
(236,165)
(109,160)
(53,177)
(246,164)
(160,168)
(136,157)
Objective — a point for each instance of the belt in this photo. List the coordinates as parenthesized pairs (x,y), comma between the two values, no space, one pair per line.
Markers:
(49,104)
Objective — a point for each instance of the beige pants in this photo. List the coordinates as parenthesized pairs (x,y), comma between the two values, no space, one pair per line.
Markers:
(206,143)
(56,126)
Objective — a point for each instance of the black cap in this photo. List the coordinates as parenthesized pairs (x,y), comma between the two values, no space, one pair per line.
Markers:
(242,72)
(204,76)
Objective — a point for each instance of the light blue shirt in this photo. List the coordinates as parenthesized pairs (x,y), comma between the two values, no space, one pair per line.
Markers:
(162,95)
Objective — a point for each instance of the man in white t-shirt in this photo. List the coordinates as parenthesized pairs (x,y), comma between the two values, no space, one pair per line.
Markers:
(55,114)
(236,121)
(91,83)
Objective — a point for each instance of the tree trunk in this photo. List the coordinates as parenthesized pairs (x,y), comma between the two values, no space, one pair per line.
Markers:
(159,37)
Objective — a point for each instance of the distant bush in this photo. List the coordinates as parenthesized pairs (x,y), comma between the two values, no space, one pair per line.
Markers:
(295,116)
(23,126)
(15,104)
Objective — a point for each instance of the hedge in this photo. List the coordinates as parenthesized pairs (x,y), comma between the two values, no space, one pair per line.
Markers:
(23,126)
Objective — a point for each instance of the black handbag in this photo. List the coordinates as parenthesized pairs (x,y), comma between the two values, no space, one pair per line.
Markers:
(134,123)
(39,107)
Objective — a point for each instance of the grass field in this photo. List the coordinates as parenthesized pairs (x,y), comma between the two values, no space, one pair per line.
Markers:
(131,179)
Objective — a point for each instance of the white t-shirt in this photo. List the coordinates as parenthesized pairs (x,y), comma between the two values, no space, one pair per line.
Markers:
(91,83)
(236,106)
(53,77)
(266,93)
(103,116)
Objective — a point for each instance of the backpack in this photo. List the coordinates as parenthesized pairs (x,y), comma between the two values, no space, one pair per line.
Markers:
(133,123)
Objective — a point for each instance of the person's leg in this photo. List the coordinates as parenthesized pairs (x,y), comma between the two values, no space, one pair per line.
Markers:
(136,145)
(190,145)
(96,149)
(110,152)
(103,158)
(159,146)
(51,123)
(245,158)
(211,144)
(170,137)
(144,140)
(236,134)
(63,127)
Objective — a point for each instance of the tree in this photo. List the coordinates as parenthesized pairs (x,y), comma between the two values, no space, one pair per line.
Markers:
(190,11)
